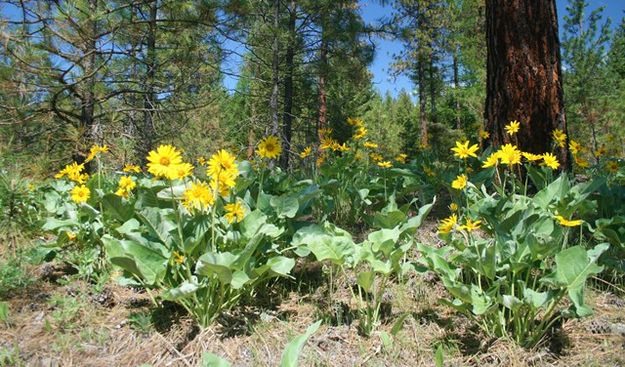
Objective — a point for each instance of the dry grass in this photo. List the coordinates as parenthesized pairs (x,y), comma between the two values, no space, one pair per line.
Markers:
(54,325)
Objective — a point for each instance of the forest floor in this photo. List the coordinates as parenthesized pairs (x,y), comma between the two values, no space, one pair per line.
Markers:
(57,322)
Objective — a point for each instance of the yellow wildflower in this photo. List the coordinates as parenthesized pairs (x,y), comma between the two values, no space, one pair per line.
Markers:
(471,225)
(559,137)
(491,161)
(460,182)
(401,158)
(568,223)
(163,160)
(197,197)
(355,122)
(95,150)
(484,134)
(447,224)
(601,151)
(611,167)
(509,154)
(269,147)
(80,194)
(453,207)
(125,186)
(178,258)
(131,168)
(370,145)
(305,153)
(513,127)
(462,150)
(222,163)
(531,157)
(71,236)
(550,161)
(376,157)
(360,133)
(385,164)
(575,147)
(234,212)
(581,162)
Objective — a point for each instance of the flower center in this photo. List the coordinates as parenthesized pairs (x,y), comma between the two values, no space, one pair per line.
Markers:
(164,161)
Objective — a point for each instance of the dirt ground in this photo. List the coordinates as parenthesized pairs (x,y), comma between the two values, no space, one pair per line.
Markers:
(71,323)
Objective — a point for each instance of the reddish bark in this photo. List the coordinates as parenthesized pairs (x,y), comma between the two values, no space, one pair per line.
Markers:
(524,81)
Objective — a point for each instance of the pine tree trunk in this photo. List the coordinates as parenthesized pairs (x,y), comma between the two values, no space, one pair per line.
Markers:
(288,89)
(524,80)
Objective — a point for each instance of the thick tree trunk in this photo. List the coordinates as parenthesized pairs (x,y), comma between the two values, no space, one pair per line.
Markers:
(148,131)
(524,74)
(422,104)
(288,89)
(275,78)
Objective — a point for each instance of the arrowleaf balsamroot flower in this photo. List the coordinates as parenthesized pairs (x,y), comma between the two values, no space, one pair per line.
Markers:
(568,223)
(611,167)
(370,145)
(460,182)
(125,186)
(131,168)
(471,225)
(401,158)
(491,161)
(234,212)
(269,147)
(162,162)
(95,150)
(484,134)
(559,137)
(305,153)
(360,133)
(222,163)
(197,197)
(462,150)
(448,224)
(80,194)
(385,164)
(550,161)
(513,127)
(509,154)
(531,157)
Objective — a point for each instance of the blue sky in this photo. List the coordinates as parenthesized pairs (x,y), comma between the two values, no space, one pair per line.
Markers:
(371,11)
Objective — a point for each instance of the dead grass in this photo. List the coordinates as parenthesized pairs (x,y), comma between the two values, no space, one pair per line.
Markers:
(54,325)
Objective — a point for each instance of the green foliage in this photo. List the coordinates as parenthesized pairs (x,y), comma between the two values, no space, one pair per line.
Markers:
(513,278)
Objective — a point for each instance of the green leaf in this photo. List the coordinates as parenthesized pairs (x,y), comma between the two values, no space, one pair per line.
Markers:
(213,360)
(147,263)
(184,290)
(286,206)
(326,243)
(573,266)
(439,356)
(159,224)
(388,220)
(53,224)
(294,348)
(415,222)
(113,205)
(218,264)
(365,280)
